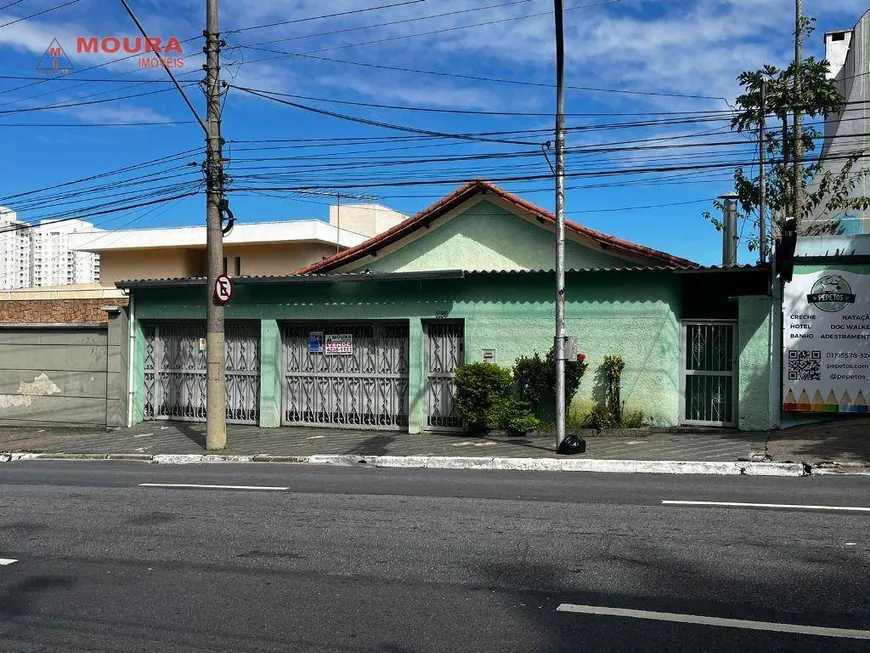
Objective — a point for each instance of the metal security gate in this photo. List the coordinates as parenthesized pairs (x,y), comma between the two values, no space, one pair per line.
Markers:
(175,372)
(445,351)
(365,387)
(708,374)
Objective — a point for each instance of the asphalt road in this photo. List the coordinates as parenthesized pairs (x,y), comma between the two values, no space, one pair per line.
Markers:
(401,561)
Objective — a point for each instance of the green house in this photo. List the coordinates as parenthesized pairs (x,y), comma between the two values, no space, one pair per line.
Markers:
(371,337)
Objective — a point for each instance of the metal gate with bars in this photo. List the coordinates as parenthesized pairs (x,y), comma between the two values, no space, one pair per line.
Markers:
(175,372)
(709,373)
(445,351)
(365,389)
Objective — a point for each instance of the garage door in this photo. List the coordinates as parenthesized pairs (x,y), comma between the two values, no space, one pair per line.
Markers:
(346,375)
(175,372)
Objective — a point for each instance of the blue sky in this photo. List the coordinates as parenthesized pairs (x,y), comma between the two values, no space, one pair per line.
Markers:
(662,52)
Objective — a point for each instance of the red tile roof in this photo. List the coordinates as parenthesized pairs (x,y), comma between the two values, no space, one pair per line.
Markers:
(645,255)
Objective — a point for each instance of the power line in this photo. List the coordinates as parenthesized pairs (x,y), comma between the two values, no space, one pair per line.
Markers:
(106,80)
(73,105)
(11,4)
(471,112)
(106,211)
(387,24)
(323,16)
(457,28)
(478,78)
(102,124)
(130,168)
(374,123)
(38,13)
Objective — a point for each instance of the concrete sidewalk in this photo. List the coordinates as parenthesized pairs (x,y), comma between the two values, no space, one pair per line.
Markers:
(846,441)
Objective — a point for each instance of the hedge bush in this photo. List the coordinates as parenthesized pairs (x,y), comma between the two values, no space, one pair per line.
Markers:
(479,387)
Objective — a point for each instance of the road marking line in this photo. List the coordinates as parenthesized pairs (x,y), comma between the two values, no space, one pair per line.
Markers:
(7,561)
(214,487)
(822,631)
(735,504)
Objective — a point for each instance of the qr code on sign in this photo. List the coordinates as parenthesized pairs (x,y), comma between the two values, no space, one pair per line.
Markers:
(804,366)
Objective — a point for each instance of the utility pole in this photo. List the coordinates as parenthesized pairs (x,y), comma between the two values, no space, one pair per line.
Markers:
(216,394)
(559,344)
(762,175)
(798,102)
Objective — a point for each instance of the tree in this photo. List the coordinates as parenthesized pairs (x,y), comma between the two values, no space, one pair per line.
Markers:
(825,191)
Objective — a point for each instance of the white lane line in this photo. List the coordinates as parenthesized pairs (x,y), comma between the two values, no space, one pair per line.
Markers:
(6,561)
(784,506)
(215,487)
(822,631)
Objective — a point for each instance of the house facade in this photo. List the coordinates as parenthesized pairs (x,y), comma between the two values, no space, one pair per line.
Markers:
(371,336)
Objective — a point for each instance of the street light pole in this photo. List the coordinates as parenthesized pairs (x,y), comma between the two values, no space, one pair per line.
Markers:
(216,428)
(559,343)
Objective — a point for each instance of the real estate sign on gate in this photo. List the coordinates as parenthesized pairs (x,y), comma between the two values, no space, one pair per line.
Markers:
(338,344)
(826,341)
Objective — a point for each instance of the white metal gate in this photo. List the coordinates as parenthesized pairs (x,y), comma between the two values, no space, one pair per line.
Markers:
(445,351)
(364,388)
(708,375)
(175,372)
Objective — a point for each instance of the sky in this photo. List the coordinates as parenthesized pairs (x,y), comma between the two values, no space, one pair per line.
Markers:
(395,102)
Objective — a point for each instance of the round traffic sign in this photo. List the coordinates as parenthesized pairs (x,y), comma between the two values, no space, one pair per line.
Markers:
(223,289)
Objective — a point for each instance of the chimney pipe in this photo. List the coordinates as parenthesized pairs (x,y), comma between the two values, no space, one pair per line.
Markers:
(729,229)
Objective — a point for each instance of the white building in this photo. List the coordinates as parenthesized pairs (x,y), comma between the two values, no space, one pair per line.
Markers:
(250,249)
(848,53)
(15,251)
(42,256)
(55,263)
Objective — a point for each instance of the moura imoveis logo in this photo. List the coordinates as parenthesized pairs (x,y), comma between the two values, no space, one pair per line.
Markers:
(54,61)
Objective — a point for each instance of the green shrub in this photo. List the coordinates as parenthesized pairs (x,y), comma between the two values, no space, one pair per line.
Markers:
(533,379)
(613,366)
(632,420)
(514,416)
(574,371)
(479,387)
(536,379)
(600,418)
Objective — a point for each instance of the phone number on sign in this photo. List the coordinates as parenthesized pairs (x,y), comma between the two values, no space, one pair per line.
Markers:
(847,354)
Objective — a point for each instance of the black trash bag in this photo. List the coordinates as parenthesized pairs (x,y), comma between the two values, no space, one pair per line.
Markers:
(572,444)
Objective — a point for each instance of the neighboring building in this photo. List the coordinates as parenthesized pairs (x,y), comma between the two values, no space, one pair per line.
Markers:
(848,53)
(54,261)
(15,251)
(371,336)
(42,256)
(260,249)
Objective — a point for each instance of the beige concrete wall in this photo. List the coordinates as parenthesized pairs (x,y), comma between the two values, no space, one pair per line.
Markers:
(129,264)
(365,219)
(275,259)
(267,259)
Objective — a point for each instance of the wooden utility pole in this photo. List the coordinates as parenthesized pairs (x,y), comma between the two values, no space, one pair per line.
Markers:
(216,394)
(798,102)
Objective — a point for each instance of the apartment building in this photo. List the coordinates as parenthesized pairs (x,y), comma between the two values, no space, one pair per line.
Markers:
(43,256)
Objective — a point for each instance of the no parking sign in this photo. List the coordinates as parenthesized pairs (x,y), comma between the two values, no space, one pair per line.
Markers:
(223,289)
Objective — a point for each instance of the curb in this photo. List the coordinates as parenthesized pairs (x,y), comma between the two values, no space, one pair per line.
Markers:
(566,465)
(840,469)
(673,467)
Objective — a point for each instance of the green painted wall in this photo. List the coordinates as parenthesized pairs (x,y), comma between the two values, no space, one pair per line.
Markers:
(633,314)
(270,373)
(754,362)
(487,237)
(139,372)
